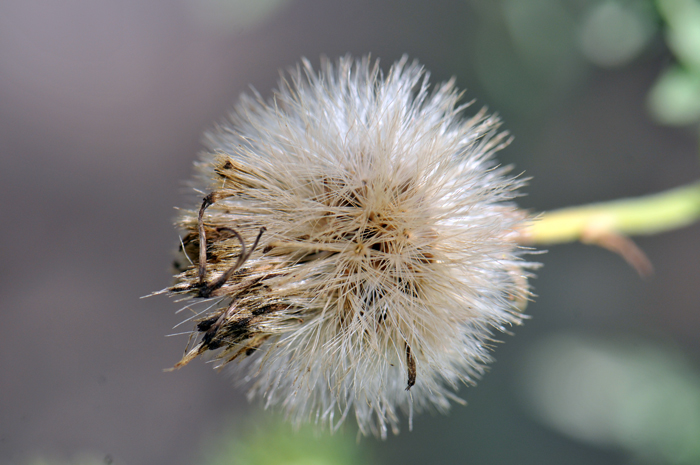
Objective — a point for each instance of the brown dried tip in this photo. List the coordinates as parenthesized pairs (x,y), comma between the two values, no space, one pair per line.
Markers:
(411,362)
(623,246)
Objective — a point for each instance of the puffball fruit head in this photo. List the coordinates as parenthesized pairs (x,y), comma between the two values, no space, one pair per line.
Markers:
(360,244)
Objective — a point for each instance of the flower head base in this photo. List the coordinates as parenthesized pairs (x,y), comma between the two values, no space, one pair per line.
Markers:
(360,244)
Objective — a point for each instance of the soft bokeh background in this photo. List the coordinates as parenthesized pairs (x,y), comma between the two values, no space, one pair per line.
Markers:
(102,104)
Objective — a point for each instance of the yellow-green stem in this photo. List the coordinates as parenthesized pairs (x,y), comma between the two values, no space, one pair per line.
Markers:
(650,214)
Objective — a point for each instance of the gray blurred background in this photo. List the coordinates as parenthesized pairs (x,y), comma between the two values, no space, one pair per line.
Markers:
(102,105)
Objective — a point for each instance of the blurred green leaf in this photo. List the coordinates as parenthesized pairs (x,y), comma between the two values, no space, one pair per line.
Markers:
(614,33)
(627,393)
(267,440)
(683,33)
(675,97)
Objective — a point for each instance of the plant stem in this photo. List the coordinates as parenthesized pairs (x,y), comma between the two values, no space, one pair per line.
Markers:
(645,215)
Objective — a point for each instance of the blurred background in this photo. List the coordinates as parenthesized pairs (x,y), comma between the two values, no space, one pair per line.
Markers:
(102,106)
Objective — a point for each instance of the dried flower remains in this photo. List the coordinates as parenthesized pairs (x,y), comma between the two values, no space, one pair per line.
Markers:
(356,247)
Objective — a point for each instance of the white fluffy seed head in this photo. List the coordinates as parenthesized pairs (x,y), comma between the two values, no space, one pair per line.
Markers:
(388,254)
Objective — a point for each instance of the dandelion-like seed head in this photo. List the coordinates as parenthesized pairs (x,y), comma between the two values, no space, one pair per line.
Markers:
(360,244)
